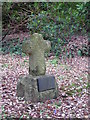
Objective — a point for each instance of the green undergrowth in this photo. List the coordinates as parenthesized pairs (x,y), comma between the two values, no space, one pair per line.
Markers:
(77,89)
(57,22)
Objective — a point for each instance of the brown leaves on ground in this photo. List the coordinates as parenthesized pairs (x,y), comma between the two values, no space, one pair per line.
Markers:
(71,76)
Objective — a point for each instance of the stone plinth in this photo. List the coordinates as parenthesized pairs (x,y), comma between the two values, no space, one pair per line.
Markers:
(30,87)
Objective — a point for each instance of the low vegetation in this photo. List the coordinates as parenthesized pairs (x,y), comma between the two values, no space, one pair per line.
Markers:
(57,22)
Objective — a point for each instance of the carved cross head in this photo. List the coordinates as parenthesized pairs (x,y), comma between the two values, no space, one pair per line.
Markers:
(35,48)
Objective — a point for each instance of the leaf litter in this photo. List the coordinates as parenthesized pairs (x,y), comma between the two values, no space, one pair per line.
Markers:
(72,80)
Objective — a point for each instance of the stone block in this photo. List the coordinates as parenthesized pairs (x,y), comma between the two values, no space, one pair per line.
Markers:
(29,88)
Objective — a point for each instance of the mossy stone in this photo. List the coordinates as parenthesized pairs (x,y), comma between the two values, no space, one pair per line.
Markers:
(35,48)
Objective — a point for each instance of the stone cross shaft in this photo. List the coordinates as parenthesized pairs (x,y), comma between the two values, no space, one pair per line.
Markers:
(35,48)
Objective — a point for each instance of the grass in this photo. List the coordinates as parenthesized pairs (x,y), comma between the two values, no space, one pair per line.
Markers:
(5,65)
(54,61)
(70,92)
(3,115)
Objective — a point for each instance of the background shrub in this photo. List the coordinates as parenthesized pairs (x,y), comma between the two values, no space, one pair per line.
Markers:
(57,22)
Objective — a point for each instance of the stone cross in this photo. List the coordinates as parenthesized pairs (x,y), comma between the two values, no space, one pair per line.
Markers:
(35,48)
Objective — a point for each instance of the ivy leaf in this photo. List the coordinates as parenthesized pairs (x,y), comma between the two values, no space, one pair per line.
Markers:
(79,52)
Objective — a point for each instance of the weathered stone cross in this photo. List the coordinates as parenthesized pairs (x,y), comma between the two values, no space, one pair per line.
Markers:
(35,48)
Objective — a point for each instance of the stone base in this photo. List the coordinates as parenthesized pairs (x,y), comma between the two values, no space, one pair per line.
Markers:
(30,87)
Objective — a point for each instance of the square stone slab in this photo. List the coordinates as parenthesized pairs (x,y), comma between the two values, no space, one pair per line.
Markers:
(46,83)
